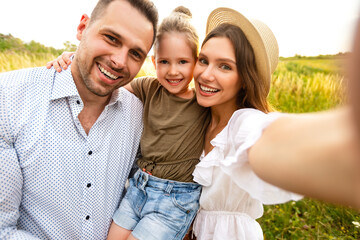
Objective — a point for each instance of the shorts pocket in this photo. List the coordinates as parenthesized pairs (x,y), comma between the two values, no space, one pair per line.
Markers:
(186,201)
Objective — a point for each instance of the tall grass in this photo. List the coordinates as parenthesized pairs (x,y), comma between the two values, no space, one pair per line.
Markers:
(307,85)
(14,60)
(298,85)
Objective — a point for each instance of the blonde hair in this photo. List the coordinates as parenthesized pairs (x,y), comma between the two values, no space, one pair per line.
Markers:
(179,21)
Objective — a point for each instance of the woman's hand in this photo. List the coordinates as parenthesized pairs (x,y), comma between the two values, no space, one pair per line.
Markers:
(63,61)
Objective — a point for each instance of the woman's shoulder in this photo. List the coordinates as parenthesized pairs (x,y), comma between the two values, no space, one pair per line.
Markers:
(246,125)
(247,117)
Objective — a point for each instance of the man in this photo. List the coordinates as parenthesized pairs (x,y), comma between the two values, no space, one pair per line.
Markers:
(68,140)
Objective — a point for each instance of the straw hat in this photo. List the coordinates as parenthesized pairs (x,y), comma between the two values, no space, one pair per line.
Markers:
(260,37)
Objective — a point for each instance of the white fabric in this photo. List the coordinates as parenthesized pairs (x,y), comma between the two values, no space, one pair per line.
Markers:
(233,195)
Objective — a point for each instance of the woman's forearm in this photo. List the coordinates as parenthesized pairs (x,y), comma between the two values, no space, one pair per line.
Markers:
(312,154)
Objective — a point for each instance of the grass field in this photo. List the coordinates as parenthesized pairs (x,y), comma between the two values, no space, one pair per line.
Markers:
(300,85)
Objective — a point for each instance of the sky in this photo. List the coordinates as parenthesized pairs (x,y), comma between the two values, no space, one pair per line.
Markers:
(304,27)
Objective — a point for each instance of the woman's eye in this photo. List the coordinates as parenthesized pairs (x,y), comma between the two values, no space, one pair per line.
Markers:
(225,67)
(202,61)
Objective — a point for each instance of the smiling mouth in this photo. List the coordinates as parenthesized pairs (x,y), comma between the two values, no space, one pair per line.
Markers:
(174,81)
(106,73)
(208,89)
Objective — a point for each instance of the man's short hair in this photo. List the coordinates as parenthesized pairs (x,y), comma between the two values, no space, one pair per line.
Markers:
(146,7)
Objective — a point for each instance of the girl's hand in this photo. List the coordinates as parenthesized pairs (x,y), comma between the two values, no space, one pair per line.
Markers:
(63,61)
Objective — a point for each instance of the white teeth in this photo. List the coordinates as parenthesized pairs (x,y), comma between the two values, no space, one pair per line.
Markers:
(112,76)
(207,89)
(174,81)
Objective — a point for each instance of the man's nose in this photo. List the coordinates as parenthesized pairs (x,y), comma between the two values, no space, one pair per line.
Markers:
(119,58)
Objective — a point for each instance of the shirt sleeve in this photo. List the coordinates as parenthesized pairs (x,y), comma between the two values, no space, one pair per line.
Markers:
(244,131)
(141,86)
(11,181)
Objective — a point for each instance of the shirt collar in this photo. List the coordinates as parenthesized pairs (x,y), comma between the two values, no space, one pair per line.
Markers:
(64,85)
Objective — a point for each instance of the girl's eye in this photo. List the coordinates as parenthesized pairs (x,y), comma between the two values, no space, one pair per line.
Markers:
(183,61)
(163,61)
(225,67)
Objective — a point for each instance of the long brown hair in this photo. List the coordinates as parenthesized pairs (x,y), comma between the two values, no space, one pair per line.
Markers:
(253,93)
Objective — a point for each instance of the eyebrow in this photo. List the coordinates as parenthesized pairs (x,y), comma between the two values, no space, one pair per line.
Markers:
(109,30)
(220,59)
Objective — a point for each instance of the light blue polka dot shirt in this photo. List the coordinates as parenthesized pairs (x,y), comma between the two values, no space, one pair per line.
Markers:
(56,182)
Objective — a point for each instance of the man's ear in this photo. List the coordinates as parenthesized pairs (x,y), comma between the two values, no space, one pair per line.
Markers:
(153,61)
(82,26)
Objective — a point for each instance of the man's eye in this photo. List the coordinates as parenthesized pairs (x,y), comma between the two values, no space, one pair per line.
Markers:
(136,54)
(111,38)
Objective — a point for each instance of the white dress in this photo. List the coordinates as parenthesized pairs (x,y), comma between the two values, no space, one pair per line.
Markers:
(233,196)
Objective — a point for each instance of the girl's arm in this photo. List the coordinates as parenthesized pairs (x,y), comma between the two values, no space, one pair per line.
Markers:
(63,61)
(312,154)
(129,88)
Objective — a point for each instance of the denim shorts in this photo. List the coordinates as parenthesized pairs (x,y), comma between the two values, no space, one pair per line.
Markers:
(158,209)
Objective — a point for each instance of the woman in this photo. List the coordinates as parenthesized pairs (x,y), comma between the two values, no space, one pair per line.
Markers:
(232,77)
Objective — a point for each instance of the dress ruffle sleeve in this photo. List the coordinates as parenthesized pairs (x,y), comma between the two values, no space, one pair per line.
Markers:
(230,154)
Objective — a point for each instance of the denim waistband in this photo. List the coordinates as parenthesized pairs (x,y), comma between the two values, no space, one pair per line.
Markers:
(146,180)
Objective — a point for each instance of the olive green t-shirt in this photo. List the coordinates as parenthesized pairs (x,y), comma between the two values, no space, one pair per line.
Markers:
(174,130)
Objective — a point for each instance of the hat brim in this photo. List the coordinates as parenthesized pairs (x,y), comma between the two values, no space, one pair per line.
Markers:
(228,15)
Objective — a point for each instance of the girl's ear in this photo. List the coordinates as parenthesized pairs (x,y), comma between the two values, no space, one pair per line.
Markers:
(153,61)
(82,26)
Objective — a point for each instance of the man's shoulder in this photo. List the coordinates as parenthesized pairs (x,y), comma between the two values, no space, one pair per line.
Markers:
(126,97)
(26,76)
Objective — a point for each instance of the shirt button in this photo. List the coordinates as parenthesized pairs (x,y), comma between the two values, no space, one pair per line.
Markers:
(90,152)
(77,101)
(88,185)
(87,217)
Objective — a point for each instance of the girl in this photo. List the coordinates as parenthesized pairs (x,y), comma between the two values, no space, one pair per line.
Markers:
(162,199)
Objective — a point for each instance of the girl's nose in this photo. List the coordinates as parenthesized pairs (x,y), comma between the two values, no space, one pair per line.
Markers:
(173,70)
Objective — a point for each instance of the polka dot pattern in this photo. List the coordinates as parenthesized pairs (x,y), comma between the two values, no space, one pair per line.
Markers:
(57,182)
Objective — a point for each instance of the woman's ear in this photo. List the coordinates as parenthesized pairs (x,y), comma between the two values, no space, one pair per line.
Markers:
(82,26)
(153,61)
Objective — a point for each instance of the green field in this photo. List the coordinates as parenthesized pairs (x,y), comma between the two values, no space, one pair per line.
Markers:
(298,85)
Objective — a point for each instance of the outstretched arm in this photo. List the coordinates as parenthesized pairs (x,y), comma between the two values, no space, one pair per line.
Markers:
(311,154)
